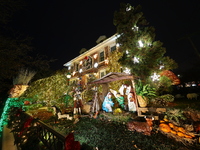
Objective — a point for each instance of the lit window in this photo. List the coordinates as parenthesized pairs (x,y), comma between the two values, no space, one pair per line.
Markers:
(102,73)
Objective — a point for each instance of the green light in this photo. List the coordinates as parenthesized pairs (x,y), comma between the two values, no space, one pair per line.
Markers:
(10,102)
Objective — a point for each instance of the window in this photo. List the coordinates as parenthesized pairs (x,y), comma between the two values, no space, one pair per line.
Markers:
(101,58)
(77,67)
(113,48)
(102,73)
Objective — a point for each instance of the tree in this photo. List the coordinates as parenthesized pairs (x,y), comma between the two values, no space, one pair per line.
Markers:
(16,48)
(141,53)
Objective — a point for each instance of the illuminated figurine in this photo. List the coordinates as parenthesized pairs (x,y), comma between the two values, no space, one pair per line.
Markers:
(131,102)
(108,103)
(120,100)
(77,102)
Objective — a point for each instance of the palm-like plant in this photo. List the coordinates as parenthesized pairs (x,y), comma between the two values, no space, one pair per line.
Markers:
(145,90)
(144,93)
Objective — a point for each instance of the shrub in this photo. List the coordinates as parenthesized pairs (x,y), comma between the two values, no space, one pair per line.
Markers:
(162,100)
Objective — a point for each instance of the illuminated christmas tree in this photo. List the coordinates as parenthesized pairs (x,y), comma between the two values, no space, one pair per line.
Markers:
(141,53)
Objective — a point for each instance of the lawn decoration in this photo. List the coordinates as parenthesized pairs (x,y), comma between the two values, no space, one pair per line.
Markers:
(179,133)
(119,98)
(108,103)
(17,90)
(59,114)
(131,102)
(143,127)
(192,96)
(77,102)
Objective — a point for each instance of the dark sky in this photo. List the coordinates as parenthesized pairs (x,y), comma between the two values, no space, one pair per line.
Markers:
(60,28)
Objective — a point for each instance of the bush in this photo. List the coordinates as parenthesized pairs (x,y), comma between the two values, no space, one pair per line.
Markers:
(162,100)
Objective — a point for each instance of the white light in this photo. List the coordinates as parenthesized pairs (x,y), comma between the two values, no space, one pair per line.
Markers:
(106,61)
(81,62)
(74,73)
(95,56)
(96,65)
(117,44)
(194,84)
(136,60)
(128,8)
(81,70)
(69,67)
(161,67)
(118,35)
(140,43)
(127,70)
(69,76)
(135,28)
(155,77)
(127,52)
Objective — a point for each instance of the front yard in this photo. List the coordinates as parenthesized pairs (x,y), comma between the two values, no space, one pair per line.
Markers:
(109,130)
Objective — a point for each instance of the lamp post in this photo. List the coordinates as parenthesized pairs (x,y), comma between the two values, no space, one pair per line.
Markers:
(68,77)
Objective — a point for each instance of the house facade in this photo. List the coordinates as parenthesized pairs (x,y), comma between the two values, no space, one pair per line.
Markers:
(92,63)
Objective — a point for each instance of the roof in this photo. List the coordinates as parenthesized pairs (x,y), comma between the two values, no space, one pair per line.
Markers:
(112,76)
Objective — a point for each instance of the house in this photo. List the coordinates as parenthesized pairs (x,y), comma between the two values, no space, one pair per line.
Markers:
(93,62)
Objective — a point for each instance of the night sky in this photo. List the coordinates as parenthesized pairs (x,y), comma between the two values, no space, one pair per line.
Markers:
(62,28)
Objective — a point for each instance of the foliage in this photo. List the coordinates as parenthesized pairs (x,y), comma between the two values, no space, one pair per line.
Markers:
(10,103)
(24,77)
(49,91)
(24,130)
(32,106)
(16,48)
(114,65)
(112,135)
(88,92)
(103,134)
(162,100)
(175,115)
(115,117)
(164,85)
(137,41)
(144,90)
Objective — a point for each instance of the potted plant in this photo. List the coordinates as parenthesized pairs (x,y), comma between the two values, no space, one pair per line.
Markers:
(144,92)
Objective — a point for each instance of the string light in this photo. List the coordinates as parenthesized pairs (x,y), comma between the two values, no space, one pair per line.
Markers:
(140,43)
(96,65)
(155,77)
(136,60)
(127,70)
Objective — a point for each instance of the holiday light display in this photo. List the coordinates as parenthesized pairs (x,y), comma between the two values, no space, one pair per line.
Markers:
(10,102)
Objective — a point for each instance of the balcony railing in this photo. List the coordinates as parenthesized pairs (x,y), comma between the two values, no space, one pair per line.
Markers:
(23,125)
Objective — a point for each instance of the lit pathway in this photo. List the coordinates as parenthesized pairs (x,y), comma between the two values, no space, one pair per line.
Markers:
(8,140)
